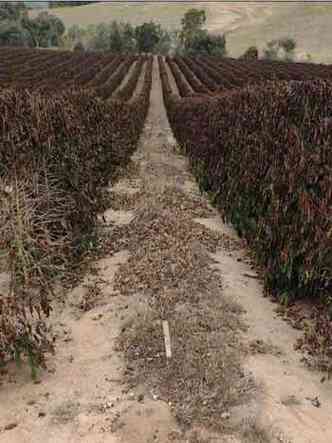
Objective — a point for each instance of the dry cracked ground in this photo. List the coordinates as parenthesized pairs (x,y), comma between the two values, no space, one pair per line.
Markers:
(230,373)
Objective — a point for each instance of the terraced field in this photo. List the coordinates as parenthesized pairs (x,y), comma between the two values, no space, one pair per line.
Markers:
(112,76)
(196,75)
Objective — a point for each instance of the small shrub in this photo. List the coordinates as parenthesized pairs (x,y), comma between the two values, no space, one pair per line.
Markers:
(250,54)
(79,47)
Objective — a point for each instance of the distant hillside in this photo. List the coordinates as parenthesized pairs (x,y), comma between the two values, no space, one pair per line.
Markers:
(37,5)
(309,24)
(245,24)
(168,14)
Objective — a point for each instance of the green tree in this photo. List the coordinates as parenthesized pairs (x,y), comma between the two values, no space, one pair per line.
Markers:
(79,47)
(121,38)
(282,50)
(46,30)
(18,29)
(75,33)
(129,40)
(13,34)
(148,36)
(192,23)
(165,43)
(250,54)
(204,43)
(288,44)
(12,29)
(194,39)
(116,43)
(12,11)
(115,37)
(100,40)
(271,51)
(56,4)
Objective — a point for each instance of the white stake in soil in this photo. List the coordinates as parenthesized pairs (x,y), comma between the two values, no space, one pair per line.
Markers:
(167,338)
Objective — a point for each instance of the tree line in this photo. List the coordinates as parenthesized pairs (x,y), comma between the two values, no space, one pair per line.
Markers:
(17,28)
(192,37)
(55,4)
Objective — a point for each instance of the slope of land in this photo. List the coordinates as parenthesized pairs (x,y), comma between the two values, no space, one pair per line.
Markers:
(308,24)
(245,24)
(225,16)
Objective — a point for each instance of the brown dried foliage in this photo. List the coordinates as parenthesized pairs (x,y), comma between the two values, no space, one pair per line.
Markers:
(57,152)
(264,154)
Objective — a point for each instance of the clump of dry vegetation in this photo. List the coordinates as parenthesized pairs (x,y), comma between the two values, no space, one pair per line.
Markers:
(170,262)
(255,433)
(57,153)
(35,247)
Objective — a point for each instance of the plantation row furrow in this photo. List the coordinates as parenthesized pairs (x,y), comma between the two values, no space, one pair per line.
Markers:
(63,75)
(123,80)
(278,70)
(169,95)
(106,90)
(197,86)
(213,75)
(61,64)
(46,63)
(86,77)
(126,91)
(66,77)
(140,103)
(106,72)
(73,68)
(54,68)
(184,88)
(236,68)
(216,75)
(248,68)
(48,69)
(295,69)
(263,153)
(234,79)
(23,63)
(97,66)
(201,74)
(8,57)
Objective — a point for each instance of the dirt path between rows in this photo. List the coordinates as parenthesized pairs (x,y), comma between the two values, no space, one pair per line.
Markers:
(233,375)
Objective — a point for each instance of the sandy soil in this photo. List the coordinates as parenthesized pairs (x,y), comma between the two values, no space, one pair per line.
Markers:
(83,397)
(286,398)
